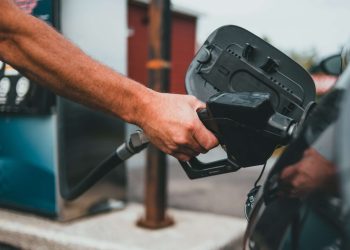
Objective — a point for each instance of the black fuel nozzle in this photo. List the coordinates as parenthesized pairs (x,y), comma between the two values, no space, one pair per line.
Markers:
(256,98)
(247,126)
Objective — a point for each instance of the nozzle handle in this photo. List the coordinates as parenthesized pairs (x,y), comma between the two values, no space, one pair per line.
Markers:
(194,168)
(207,120)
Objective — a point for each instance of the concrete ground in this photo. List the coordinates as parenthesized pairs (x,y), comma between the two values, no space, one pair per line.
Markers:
(117,231)
(222,194)
(215,223)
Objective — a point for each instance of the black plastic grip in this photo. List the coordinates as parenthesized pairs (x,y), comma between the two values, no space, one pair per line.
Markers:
(207,120)
(195,169)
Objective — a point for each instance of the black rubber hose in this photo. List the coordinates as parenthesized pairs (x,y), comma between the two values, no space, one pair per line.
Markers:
(135,143)
(96,174)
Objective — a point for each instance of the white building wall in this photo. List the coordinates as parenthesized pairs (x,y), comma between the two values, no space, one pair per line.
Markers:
(99,27)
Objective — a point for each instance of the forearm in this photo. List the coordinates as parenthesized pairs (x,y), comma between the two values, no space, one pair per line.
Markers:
(42,54)
(36,50)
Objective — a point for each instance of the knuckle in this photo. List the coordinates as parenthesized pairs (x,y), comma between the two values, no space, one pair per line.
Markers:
(170,149)
(181,140)
(189,127)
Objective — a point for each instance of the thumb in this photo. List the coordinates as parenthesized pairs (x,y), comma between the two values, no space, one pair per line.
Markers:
(197,104)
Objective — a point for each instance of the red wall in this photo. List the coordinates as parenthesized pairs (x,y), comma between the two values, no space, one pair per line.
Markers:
(183,35)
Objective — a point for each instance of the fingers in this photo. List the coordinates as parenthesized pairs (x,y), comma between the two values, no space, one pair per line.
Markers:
(182,156)
(188,152)
(193,145)
(201,134)
(177,129)
(287,176)
(182,151)
(205,138)
(289,173)
(292,183)
(200,139)
(185,148)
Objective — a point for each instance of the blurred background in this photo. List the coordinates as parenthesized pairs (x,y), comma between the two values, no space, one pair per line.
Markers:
(307,31)
(73,139)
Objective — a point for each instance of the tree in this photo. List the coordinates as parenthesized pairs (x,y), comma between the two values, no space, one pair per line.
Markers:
(306,58)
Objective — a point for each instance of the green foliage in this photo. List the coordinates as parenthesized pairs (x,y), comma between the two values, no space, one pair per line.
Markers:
(305,58)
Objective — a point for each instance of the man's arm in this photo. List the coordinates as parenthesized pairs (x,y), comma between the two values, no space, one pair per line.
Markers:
(42,54)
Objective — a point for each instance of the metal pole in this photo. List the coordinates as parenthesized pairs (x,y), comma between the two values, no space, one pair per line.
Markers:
(159,69)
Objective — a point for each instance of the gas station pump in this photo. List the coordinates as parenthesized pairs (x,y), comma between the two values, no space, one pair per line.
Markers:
(49,143)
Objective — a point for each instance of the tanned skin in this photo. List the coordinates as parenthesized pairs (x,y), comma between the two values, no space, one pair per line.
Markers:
(39,52)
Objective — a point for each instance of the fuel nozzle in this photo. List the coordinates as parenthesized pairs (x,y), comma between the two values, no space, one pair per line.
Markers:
(248,128)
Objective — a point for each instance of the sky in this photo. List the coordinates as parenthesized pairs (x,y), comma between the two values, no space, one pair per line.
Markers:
(299,25)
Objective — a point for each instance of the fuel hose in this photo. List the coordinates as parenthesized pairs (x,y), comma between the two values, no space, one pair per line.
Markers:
(133,145)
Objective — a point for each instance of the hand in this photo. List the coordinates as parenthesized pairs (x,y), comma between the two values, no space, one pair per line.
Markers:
(171,123)
(311,173)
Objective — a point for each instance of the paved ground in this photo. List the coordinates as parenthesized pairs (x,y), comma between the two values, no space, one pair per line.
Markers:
(223,194)
(118,231)
(217,196)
